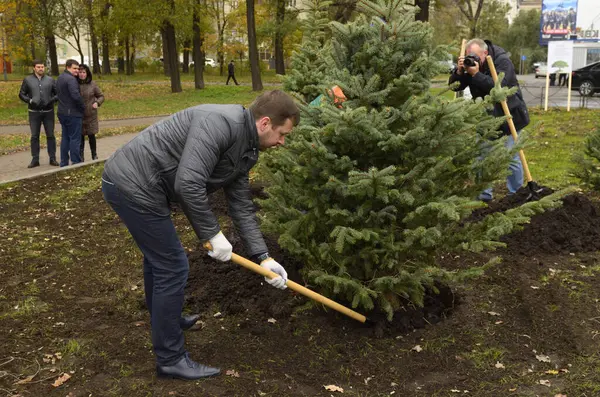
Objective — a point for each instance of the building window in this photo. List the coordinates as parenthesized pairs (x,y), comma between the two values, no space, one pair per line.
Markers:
(593,55)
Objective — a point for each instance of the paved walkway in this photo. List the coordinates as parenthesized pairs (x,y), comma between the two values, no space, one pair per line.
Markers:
(13,167)
(20,129)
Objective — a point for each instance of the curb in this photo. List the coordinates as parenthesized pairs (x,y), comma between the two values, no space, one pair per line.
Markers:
(54,170)
(101,120)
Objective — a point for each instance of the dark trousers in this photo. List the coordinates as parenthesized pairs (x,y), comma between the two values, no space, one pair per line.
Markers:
(36,119)
(92,139)
(165,270)
(231,76)
(562,79)
(71,139)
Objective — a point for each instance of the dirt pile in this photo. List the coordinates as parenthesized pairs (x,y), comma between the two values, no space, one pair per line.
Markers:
(575,227)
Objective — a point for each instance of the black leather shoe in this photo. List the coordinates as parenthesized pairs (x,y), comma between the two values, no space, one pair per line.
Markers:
(186,369)
(94,157)
(33,164)
(54,163)
(187,322)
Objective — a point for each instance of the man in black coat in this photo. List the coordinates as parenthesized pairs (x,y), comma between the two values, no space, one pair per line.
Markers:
(70,113)
(183,159)
(231,73)
(476,75)
(39,92)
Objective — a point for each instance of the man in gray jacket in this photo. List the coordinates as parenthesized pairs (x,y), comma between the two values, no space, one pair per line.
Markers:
(39,92)
(70,113)
(183,159)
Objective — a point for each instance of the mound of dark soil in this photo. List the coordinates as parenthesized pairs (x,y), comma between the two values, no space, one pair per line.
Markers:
(575,227)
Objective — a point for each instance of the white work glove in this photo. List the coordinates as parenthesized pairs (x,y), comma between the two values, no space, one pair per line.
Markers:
(272,265)
(221,248)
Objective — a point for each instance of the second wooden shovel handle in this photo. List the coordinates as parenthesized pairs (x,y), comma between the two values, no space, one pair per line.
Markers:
(509,120)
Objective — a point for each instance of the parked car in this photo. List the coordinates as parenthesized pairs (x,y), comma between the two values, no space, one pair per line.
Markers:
(210,62)
(586,80)
(541,69)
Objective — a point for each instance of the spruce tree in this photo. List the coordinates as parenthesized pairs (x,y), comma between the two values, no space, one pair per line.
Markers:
(307,67)
(369,194)
(588,161)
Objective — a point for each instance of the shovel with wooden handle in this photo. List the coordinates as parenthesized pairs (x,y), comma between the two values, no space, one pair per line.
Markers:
(294,286)
(534,189)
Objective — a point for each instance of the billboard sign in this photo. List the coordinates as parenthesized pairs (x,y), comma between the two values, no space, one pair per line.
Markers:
(588,20)
(570,20)
(558,20)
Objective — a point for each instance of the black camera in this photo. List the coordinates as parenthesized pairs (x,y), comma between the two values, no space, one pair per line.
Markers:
(470,60)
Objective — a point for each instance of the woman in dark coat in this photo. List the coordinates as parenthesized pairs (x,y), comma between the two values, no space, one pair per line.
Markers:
(92,99)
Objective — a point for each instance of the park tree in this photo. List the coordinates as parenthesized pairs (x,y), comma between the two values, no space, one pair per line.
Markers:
(522,38)
(308,66)
(370,191)
(253,47)
(278,29)
(218,11)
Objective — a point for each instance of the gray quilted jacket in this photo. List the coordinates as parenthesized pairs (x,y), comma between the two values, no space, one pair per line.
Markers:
(186,157)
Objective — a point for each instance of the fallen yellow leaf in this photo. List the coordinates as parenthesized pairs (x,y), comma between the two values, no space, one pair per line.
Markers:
(333,388)
(61,379)
(26,380)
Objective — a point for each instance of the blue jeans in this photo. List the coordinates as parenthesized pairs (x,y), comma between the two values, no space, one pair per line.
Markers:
(71,139)
(514,180)
(166,270)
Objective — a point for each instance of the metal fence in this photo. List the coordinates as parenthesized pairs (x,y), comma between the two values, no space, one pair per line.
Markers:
(535,94)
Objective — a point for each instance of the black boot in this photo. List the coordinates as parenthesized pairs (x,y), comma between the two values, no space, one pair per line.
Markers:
(187,322)
(186,369)
(54,163)
(34,163)
(94,156)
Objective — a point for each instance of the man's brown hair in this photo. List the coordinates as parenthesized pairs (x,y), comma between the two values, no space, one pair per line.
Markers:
(71,62)
(276,105)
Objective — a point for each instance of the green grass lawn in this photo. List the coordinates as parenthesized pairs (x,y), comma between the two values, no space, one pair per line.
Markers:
(555,136)
(126,99)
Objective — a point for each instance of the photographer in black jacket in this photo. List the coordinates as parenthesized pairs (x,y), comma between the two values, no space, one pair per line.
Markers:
(39,92)
(473,72)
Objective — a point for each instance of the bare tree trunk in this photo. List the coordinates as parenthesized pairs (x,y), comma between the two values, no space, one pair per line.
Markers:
(186,56)
(252,47)
(165,51)
(120,60)
(197,53)
(132,56)
(95,55)
(105,55)
(423,14)
(51,42)
(105,41)
(32,42)
(279,60)
(172,51)
(127,57)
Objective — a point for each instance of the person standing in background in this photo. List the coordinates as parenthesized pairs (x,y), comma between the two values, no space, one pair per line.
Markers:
(70,113)
(39,92)
(92,99)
